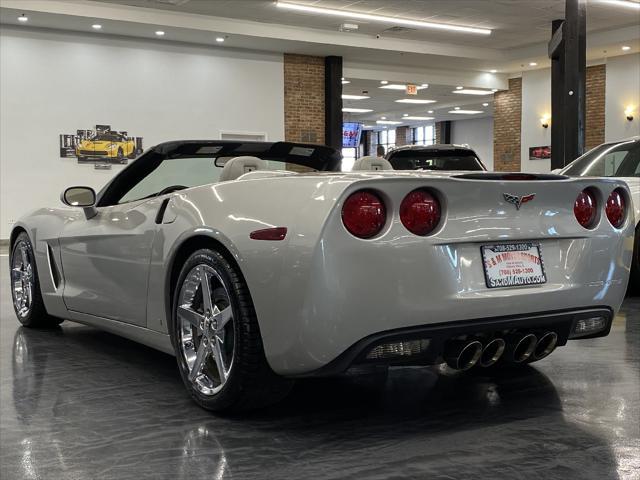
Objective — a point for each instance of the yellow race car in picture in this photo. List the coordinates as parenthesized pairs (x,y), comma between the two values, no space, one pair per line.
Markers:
(106,146)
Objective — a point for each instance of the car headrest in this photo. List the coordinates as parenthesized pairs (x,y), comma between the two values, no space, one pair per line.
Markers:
(238,166)
(370,163)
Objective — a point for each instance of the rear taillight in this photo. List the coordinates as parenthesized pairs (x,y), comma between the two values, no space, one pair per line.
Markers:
(420,212)
(615,208)
(364,214)
(585,208)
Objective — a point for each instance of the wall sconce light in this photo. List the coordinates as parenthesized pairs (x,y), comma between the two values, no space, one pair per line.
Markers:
(629,113)
(544,121)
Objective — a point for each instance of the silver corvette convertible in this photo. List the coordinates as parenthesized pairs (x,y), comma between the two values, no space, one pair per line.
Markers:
(256,263)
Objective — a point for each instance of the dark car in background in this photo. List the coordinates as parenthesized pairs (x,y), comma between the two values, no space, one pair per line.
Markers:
(435,157)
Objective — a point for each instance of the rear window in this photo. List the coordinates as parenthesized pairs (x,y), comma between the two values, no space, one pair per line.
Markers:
(435,160)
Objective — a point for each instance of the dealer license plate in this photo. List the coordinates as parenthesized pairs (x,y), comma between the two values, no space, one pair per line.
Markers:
(513,265)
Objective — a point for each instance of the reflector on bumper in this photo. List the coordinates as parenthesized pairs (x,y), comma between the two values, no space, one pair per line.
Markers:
(398,349)
(588,326)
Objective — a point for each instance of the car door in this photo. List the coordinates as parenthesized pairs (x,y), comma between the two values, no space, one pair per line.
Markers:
(105,260)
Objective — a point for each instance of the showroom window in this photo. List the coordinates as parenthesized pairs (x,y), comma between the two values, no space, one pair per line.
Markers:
(424,135)
(387,138)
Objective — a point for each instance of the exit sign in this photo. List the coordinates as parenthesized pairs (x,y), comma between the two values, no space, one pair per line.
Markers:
(412,89)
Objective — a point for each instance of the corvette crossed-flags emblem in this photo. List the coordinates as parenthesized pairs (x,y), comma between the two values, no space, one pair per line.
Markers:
(518,200)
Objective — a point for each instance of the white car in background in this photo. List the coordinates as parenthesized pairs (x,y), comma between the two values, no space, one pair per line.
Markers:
(620,160)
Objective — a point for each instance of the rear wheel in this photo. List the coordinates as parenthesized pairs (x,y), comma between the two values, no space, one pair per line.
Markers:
(25,287)
(217,340)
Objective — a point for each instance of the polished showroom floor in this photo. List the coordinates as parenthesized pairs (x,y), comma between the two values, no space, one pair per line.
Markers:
(77,403)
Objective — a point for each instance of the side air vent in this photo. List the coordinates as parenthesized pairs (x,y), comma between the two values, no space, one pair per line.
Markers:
(398,29)
(53,269)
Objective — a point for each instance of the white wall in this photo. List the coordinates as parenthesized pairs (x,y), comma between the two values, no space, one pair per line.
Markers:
(478,134)
(623,89)
(536,102)
(53,83)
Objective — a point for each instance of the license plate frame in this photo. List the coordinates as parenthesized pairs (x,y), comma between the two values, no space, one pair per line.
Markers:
(519,279)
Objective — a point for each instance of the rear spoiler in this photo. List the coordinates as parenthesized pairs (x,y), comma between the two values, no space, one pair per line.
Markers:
(511,176)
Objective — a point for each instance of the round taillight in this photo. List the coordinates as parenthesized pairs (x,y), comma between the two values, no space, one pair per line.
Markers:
(585,208)
(363,214)
(615,208)
(420,212)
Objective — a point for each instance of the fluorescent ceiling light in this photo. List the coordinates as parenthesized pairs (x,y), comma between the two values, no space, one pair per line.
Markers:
(405,114)
(626,48)
(623,3)
(384,82)
(159,33)
(456,108)
(430,111)
(96,26)
(354,97)
(383,118)
(387,122)
(367,126)
(23,18)
(356,110)
(381,18)
(418,118)
(398,86)
(471,91)
(466,112)
(344,82)
(424,85)
(219,39)
(414,100)
(459,87)
(485,104)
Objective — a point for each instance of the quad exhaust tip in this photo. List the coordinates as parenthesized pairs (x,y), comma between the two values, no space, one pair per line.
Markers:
(546,344)
(520,346)
(463,354)
(492,352)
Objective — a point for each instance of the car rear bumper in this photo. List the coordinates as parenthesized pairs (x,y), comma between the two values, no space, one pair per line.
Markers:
(435,337)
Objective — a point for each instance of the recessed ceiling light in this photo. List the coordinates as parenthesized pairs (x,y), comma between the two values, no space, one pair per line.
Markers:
(414,100)
(418,118)
(367,126)
(623,3)
(626,47)
(471,91)
(381,18)
(399,86)
(456,108)
(466,112)
(494,90)
(459,87)
(425,85)
(356,110)
(344,82)
(485,104)
(96,26)
(533,64)
(23,18)
(383,118)
(387,122)
(405,114)
(430,111)
(159,33)
(384,82)
(354,97)
(219,39)
(493,70)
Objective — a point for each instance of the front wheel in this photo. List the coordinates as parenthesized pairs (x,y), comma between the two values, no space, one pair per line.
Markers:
(25,286)
(217,339)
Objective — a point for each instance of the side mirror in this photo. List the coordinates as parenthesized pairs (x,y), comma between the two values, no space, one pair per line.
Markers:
(83,197)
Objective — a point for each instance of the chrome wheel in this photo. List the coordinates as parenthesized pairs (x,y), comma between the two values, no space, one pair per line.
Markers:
(22,280)
(205,329)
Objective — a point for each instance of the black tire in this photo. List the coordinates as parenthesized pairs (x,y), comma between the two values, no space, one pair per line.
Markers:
(251,383)
(634,279)
(121,158)
(36,316)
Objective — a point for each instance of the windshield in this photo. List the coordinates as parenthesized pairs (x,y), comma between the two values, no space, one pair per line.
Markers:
(432,159)
(609,160)
(106,137)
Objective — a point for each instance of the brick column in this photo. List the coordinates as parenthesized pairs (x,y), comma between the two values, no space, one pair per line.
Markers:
(304,98)
(438,128)
(595,95)
(403,136)
(507,132)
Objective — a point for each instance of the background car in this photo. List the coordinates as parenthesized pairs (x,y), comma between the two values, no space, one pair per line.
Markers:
(619,160)
(106,146)
(435,157)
